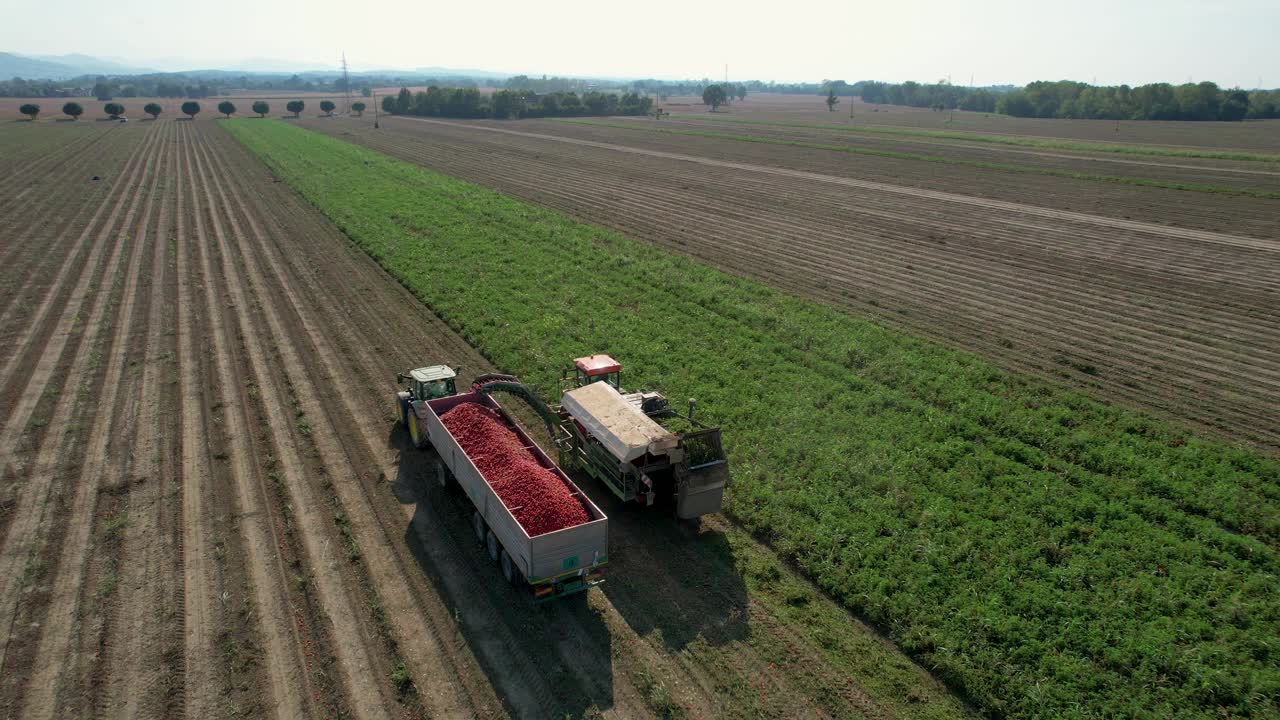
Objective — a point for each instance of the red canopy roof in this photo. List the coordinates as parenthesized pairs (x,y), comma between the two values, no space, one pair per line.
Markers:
(597,365)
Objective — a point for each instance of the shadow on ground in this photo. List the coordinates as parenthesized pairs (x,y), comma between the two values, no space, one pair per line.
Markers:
(550,660)
(670,578)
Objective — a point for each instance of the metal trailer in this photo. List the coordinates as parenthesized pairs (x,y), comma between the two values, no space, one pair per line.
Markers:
(553,564)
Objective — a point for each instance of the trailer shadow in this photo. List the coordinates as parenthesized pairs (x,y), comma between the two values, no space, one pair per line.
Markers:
(552,660)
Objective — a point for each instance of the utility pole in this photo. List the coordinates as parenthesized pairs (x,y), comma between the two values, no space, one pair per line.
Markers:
(375,109)
(346,83)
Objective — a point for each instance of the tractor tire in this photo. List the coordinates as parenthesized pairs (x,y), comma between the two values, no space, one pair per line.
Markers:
(510,571)
(491,544)
(415,432)
(403,414)
(477,524)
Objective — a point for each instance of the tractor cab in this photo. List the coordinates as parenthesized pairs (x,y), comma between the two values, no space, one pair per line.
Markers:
(597,368)
(429,383)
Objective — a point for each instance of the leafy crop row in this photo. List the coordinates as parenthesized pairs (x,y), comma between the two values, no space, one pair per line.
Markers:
(1042,552)
(1049,143)
(898,155)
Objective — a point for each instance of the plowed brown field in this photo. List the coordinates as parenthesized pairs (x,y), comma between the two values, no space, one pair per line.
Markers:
(206,510)
(1182,320)
(1261,135)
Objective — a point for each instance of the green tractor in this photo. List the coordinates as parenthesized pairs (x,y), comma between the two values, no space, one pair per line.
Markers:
(423,384)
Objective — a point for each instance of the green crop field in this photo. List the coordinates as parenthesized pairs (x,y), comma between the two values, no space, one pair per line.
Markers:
(897,155)
(1041,552)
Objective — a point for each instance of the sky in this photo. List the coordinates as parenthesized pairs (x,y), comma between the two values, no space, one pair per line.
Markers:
(994,42)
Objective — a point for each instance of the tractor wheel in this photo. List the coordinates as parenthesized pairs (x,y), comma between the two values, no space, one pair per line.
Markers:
(509,569)
(402,411)
(415,433)
(491,544)
(477,524)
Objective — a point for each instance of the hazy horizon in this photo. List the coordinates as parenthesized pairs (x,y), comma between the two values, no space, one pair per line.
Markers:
(1001,42)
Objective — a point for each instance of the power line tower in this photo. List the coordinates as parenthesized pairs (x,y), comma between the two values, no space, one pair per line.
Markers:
(346,83)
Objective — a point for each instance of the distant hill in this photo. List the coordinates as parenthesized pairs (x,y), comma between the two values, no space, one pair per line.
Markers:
(89,65)
(24,67)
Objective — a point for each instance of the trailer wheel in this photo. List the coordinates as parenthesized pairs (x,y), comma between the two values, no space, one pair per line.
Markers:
(477,524)
(491,543)
(509,570)
(442,475)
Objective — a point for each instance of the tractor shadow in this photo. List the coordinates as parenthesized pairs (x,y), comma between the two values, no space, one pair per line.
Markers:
(550,660)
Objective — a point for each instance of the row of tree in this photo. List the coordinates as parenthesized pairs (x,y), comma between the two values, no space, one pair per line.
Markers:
(1066,99)
(940,95)
(1158,101)
(115,110)
(512,104)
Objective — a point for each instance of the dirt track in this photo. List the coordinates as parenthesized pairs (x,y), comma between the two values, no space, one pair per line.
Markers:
(1180,321)
(205,508)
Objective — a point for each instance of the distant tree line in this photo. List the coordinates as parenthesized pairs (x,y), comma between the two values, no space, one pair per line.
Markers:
(1158,101)
(941,95)
(197,85)
(555,96)
(512,104)
(104,88)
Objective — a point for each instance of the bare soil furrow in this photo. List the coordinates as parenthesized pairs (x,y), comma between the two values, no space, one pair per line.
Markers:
(48,216)
(200,616)
(284,666)
(351,654)
(415,636)
(48,688)
(76,407)
(57,334)
(1205,171)
(1203,236)
(1196,209)
(37,166)
(144,615)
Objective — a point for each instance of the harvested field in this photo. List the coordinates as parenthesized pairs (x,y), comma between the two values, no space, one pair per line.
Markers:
(1206,175)
(1181,321)
(205,509)
(1261,135)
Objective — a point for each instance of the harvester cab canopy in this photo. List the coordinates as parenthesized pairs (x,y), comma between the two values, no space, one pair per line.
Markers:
(435,381)
(595,368)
